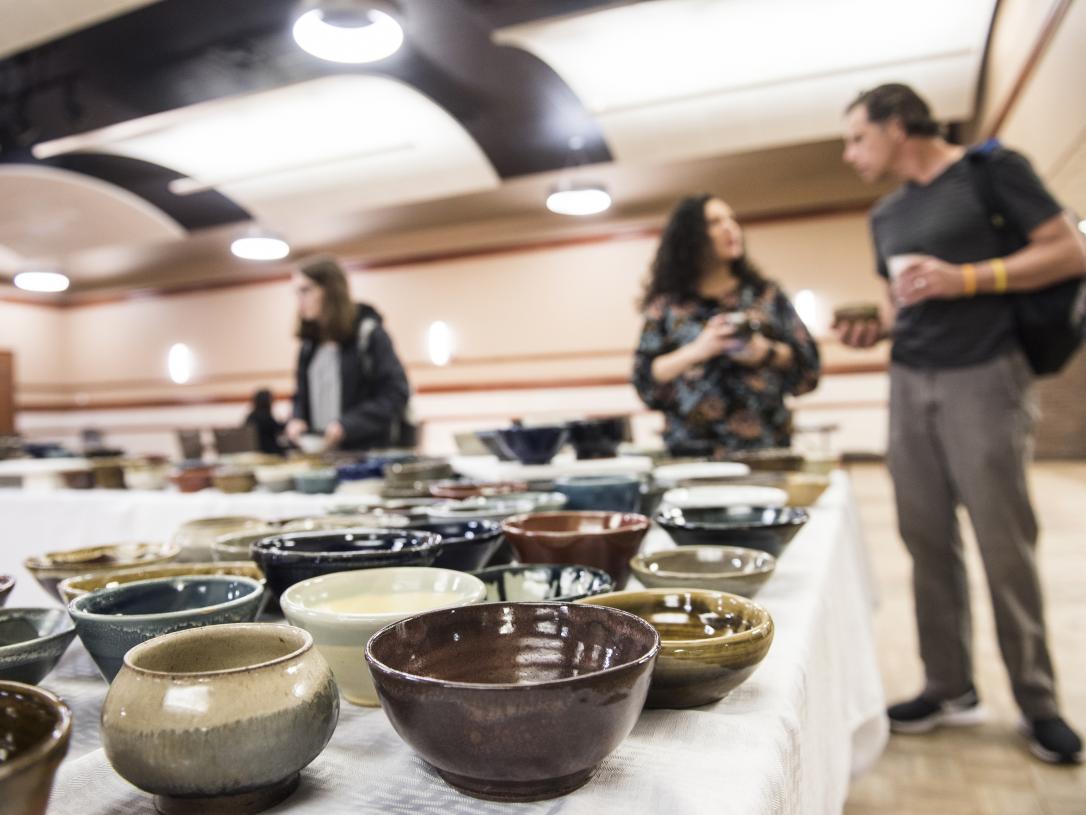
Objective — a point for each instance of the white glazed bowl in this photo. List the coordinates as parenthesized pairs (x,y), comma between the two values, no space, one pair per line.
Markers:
(724,496)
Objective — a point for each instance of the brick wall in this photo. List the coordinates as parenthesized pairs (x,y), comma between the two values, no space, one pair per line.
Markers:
(1061,432)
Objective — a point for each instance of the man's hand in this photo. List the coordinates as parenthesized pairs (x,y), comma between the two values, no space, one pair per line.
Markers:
(928,278)
(333,434)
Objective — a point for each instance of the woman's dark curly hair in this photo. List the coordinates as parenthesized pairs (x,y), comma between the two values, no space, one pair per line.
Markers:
(685,252)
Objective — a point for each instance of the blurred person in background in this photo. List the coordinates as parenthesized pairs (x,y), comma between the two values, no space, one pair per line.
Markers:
(721,345)
(268,428)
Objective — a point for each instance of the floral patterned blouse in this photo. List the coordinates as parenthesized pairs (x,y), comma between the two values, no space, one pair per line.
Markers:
(721,406)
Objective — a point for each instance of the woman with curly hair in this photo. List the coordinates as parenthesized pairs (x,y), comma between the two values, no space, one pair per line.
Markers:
(721,346)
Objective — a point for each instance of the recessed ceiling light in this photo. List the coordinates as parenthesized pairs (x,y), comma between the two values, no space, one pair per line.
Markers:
(351,31)
(42,281)
(261,247)
(587,199)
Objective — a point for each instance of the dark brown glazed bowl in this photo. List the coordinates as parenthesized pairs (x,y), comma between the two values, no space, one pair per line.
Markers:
(459,490)
(606,540)
(514,701)
(34,730)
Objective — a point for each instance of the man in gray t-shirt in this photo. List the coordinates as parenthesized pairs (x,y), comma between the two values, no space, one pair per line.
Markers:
(961,406)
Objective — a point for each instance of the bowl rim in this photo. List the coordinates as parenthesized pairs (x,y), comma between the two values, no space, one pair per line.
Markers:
(373,662)
(6,581)
(761,629)
(486,574)
(166,640)
(15,647)
(639,562)
(272,550)
(159,552)
(631,522)
(671,473)
(66,585)
(794,516)
(493,530)
(309,613)
(58,737)
(79,614)
(590,480)
(779,494)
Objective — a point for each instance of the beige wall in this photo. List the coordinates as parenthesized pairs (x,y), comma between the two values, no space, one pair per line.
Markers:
(37,335)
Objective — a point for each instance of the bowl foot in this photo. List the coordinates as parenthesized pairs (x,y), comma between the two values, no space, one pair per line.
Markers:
(246,803)
(517,791)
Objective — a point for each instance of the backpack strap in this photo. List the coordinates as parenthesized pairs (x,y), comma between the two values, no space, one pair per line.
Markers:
(979,158)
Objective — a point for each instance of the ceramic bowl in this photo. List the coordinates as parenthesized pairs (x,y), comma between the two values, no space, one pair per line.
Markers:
(86,583)
(312,444)
(533,445)
(35,727)
(803,489)
(407,473)
(480,509)
(342,611)
(598,438)
(768,529)
(191,479)
(146,476)
(316,482)
(851,312)
(32,641)
(110,621)
(514,701)
(237,545)
(771,459)
(261,705)
(606,540)
(78,479)
(492,442)
(533,583)
(459,490)
(108,473)
(196,537)
(717,568)
(608,493)
(7,583)
(729,495)
(465,545)
(674,474)
(51,568)
(297,556)
(233,480)
(710,642)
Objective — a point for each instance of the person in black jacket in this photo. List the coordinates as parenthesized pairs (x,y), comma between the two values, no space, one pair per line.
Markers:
(351,387)
(268,428)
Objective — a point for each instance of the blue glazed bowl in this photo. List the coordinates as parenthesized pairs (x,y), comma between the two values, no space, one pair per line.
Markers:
(531,583)
(292,558)
(768,529)
(465,545)
(111,621)
(533,445)
(32,641)
(611,493)
(598,438)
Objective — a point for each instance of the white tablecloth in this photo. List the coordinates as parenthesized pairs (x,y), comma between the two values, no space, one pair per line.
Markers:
(787,741)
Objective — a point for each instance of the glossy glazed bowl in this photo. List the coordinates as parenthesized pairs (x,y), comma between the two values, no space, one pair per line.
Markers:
(408,473)
(728,495)
(534,583)
(297,556)
(465,545)
(237,545)
(479,508)
(729,569)
(693,471)
(316,482)
(768,529)
(491,441)
(111,621)
(533,445)
(52,567)
(598,438)
(514,701)
(7,583)
(459,490)
(196,537)
(233,480)
(86,583)
(606,540)
(342,611)
(710,642)
(32,641)
(35,727)
(191,479)
(263,705)
(146,476)
(604,493)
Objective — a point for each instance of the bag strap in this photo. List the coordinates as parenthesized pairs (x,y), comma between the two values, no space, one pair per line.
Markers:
(979,161)
(365,332)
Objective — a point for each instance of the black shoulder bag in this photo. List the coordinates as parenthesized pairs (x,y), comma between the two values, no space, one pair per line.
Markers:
(1050,322)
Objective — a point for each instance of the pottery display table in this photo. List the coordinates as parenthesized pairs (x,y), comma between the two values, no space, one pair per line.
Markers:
(787,741)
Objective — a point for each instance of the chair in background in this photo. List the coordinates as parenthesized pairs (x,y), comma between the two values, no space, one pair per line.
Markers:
(235,440)
(192,446)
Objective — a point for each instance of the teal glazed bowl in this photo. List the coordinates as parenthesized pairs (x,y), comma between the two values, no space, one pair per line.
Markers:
(32,641)
(111,621)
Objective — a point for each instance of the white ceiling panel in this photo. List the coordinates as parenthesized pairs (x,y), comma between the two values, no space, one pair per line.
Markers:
(47,213)
(684,79)
(330,146)
(27,23)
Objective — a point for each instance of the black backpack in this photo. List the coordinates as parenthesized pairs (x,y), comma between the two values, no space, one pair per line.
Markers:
(1050,322)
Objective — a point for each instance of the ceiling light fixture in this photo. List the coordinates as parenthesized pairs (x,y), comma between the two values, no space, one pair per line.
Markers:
(350,31)
(579,199)
(260,246)
(42,280)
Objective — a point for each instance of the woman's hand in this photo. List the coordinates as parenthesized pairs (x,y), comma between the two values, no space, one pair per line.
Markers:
(296,428)
(753,352)
(333,434)
(715,339)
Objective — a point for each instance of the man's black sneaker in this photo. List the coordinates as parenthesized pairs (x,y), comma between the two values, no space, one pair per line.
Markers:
(1053,740)
(922,715)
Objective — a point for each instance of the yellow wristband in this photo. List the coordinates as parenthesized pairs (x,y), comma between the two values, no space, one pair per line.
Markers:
(969,279)
(999,275)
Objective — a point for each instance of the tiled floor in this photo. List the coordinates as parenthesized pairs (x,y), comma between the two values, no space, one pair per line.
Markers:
(984,770)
